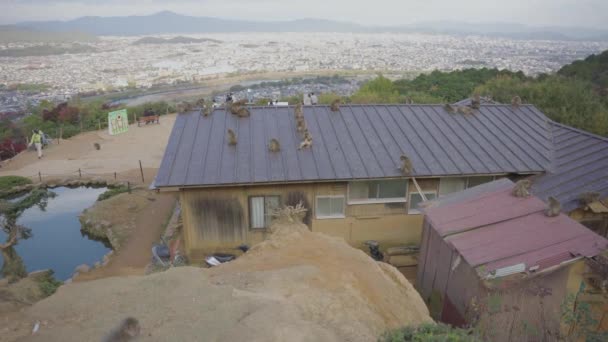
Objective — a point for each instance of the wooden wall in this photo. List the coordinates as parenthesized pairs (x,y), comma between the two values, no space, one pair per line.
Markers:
(218,219)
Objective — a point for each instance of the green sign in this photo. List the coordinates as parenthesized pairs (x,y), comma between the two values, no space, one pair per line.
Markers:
(118,122)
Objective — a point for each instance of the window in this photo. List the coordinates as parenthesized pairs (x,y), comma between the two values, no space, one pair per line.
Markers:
(381,191)
(330,207)
(454,184)
(475,181)
(260,210)
(450,185)
(416,199)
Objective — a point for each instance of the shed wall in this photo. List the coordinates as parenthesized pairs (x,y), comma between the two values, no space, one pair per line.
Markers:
(218,219)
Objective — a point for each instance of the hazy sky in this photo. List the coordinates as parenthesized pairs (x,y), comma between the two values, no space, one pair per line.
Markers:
(586,13)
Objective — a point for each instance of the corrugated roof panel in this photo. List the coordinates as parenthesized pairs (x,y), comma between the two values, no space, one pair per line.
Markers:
(185,150)
(357,142)
(497,230)
(580,164)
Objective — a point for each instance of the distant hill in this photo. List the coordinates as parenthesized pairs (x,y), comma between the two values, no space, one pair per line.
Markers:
(175,40)
(593,69)
(15,34)
(169,22)
(172,23)
(46,50)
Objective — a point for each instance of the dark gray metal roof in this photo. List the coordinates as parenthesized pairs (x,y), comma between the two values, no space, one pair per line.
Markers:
(358,142)
(469,101)
(580,164)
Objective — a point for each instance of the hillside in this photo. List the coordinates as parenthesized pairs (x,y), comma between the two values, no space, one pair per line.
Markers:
(168,22)
(593,69)
(295,286)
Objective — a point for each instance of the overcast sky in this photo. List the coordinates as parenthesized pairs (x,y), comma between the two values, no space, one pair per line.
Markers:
(586,13)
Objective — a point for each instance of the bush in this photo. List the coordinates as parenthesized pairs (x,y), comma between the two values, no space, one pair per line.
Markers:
(112,192)
(429,332)
(48,284)
(8,182)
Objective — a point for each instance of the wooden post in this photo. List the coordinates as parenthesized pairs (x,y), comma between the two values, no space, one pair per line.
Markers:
(114,175)
(129,186)
(79,173)
(40,176)
(99,124)
(141,169)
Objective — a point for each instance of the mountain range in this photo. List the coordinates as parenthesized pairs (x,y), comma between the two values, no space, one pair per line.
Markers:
(172,23)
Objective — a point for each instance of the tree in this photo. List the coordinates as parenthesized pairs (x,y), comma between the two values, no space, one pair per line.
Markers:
(378,90)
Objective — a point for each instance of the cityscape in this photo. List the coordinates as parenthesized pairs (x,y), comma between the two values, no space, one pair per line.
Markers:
(114,63)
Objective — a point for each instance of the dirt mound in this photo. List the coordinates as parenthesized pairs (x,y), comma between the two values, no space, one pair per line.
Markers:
(296,286)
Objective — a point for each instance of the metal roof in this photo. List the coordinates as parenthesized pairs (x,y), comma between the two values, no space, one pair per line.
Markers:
(358,142)
(580,164)
(495,229)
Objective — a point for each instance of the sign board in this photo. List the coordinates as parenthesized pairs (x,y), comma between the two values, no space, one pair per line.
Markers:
(118,122)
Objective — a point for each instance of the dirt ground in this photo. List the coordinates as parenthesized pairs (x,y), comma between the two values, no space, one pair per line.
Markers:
(296,286)
(143,226)
(120,153)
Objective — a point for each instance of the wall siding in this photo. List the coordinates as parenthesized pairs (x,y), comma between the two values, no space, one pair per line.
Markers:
(217,220)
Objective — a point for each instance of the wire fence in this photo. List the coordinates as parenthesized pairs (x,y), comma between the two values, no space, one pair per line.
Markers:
(129,177)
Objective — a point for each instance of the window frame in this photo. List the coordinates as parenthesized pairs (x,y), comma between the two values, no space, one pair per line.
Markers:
(266,224)
(414,211)
(403,199)
(466,183)
(326,217)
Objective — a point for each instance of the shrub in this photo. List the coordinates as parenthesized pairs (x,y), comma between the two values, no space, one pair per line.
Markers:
(429,332)
(112,192)
(48,284)
(8,182)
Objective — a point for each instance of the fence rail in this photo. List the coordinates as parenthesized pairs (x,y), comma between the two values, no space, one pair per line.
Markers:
(80,173)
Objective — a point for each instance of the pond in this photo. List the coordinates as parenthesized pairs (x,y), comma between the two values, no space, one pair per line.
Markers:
(57,242)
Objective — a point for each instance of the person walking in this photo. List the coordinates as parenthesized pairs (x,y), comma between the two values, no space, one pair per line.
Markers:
(37,141)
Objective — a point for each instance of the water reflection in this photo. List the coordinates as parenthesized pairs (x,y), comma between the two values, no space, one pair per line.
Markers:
(57,242)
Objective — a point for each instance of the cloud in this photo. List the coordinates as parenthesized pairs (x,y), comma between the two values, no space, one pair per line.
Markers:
(587,13)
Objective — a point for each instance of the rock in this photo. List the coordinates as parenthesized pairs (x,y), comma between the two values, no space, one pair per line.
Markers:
(132,206)
(84,268)
(105,224)
(403,260)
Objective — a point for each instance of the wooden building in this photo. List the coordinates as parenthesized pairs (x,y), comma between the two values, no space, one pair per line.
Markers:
(350,177)
(498,261)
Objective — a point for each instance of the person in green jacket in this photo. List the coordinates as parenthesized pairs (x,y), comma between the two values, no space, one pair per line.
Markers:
(37,141)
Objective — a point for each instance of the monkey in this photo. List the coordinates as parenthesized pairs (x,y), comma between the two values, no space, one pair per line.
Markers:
(207,111)
(522,188)
(408,100)
(231,137)
(449,108)
(274,146)
(307,142)
(516,101)
(301,126)
(243,112)
(588,197)
(335,105)
(406,165)
(554,207)
(298,110)
(128,330)
(200,103)
(476,101)
(466,110)
(97,146)
(240,103)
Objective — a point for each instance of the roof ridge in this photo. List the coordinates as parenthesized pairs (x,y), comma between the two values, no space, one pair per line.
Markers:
(589,134)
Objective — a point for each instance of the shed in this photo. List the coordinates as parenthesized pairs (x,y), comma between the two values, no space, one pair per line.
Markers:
(487,255)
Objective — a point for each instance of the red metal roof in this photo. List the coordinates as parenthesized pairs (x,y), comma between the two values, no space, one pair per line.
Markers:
(498,230)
